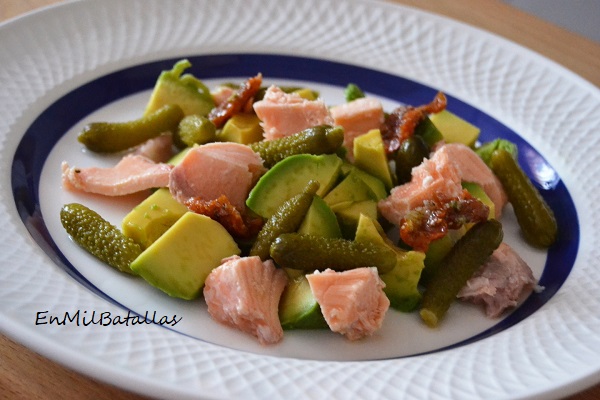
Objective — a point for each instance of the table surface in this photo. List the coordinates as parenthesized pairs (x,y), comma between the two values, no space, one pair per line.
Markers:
(27,375)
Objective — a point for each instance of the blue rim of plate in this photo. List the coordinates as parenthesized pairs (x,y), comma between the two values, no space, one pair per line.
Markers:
(59,117)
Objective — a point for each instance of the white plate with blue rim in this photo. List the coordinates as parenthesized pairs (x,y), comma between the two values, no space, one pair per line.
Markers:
(90,61)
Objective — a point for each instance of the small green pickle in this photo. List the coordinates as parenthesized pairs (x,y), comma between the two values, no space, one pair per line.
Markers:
(467,255)
(286,219)
(111,137)
(194,129)
(411,153)
(309,253)
(322,139)
(100,238)
(428,132)
(535,218)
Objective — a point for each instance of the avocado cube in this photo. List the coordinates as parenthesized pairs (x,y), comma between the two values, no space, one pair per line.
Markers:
(186,91)
(350,190)
(455,129)
(289,177)
(152,217)
(298,308)
(181,259)
(370,156)
(402,281)
(242,128)
(320,220)
(349,217)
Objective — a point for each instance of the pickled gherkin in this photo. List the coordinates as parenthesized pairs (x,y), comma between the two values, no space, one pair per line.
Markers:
(194,129)
(457,267)
(111,137)
(535,218)
(287,218)
(411,153)
(322,139)
(309,253)
(96,235)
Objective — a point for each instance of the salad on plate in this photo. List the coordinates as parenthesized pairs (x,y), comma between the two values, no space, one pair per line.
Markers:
(283,212)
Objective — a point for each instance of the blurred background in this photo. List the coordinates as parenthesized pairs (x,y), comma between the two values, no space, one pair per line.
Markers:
(578,16)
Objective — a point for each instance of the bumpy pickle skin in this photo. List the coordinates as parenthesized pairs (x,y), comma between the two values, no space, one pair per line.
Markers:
(322,139)
(96,235)
(536,219)
(309,253)
(286,219)
(467,255)
(194,129)
(112,137)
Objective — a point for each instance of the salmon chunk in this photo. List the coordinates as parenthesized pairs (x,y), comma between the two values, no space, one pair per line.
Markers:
(215,169)
(158,149)
(440,177)
(353,302)
(134,173)
(221,94)
(471,168)
(244,293)
(358,117)
(436,177)
(283,114)
(500,282)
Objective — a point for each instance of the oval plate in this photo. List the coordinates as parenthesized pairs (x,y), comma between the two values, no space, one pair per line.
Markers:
(488,79)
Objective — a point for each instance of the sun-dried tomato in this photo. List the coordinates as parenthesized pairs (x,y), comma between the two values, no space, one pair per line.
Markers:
(400,124)
(236,103)
(424,224)
(222,211)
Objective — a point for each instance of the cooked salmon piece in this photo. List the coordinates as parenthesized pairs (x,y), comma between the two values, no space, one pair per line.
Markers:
(215,169)
(244,293)
(283,114)
(436,176)
(357,117)
(500,283)
(134,173)
(352,302)
(440,177)
(158,149)
(471,168)
(221,94)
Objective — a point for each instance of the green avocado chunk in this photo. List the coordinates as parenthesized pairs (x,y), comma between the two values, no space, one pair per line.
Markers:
(179,262)
(152,217)
(289,177)
(402,281)
(375,184)
(241,128)
(350,190)
(298,308)
(320,220)
(369,155)
(186,91)
(454,129)
(477,191)
(349,216)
